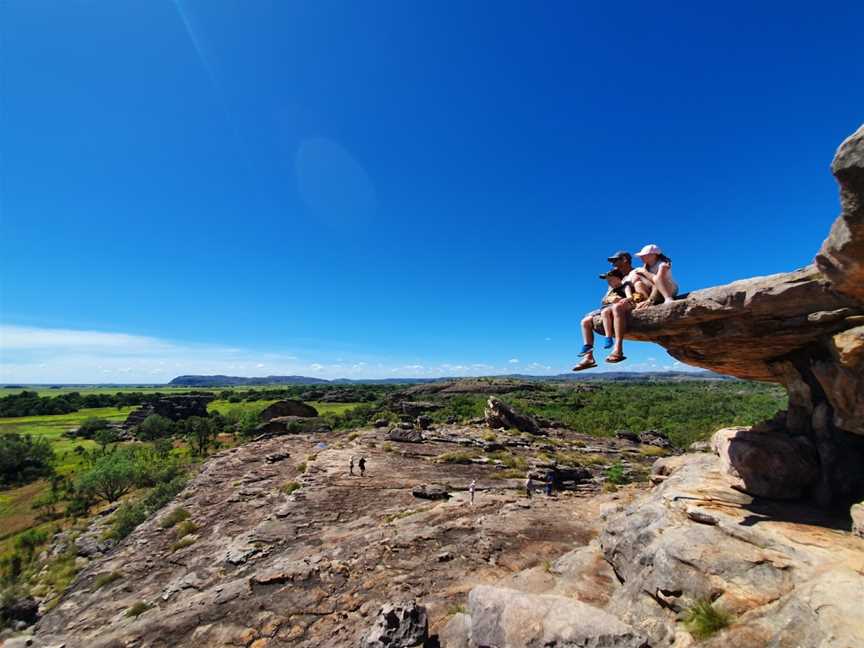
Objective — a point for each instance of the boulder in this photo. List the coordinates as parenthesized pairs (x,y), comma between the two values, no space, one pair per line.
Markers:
(398,625)
(457,632)
(506,617)
(766,464)
(416,408)
(424,422)
(405,436)
(627,435)
(175,408)
(655,438)
(430,492)
(857,515)
(381,423)
(500,415)
(20,610)
(288,407)
(292,425)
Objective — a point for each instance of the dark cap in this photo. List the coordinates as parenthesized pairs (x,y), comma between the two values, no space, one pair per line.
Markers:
(614,272)
(620,254)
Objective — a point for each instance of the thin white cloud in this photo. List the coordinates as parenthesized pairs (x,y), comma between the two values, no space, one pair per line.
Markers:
(513,361)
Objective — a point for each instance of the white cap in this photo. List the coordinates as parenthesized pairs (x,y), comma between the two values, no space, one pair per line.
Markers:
(649,249)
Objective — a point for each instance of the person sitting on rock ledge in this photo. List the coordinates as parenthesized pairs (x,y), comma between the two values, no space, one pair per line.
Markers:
(618,291)
(654,278)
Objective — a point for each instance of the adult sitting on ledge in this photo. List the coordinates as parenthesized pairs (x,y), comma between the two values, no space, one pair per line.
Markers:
(803,329)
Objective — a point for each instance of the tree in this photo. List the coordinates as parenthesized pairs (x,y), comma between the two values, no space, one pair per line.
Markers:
(106,436)
(155,427)
(111,477)
(24,458)
(200,434)
(91,425)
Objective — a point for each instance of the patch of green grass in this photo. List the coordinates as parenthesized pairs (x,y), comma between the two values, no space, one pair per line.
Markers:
(176,516)
(456,608)
(185,528)
(490,437)
(182,543)
(547,566)
(301,467)
(353,436)
(509,473)
(387,447)
(137,609)
(289,487)
(106,578)
(509,460)
(702,619)
(458,456)
(392,517)
(652,451)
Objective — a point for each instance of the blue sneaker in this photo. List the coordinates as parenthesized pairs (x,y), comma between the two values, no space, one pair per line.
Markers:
(608,342)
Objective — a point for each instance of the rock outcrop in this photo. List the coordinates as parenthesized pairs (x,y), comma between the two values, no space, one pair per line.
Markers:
(500,415)
(171,407)
(288,407)
(783,570)
(399,625)
(803,329)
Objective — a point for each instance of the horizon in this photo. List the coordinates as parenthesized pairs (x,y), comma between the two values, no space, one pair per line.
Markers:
(341,191)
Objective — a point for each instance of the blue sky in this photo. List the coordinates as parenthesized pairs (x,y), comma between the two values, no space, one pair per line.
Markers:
(372,189)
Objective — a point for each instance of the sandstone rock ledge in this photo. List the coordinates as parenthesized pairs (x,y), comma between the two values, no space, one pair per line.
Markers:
(803,329)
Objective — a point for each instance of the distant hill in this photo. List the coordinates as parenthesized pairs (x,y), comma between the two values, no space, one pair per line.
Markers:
(232,381)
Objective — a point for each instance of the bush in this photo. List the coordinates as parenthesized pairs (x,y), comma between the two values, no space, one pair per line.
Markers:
(155,427)
(703,619)
(24,459)
(127,517)
(457,456)
(182,543)
(106,578)
(185,528)
(90,426)
(179,514)
(27,542)
(105,437)
(290,487)
(616,474)
(137,609)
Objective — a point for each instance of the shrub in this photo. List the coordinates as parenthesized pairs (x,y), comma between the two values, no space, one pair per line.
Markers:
(182,543)
(90,426)
(105,436)
(387,447)
(290,487)
(616,474)
(24,459)
(137,609)
(176,516)
(106,578)
(11,567)
(301,467)
(127,517)
(27,542)
(702,619)
(200,434)
(185,528)
(164,493)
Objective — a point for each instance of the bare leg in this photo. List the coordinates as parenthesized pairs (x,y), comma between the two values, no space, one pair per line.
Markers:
(588,330)
(665,284)
(608,330)
(620,312)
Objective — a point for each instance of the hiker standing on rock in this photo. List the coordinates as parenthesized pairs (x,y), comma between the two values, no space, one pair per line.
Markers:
(550,482)
(529,486)
(362,464)
(351,466)
(471,488)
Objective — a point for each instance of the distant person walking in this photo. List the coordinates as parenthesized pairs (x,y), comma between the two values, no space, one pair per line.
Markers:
(351,466)
(550,483)
(529,486)
(471,488)
(362,464)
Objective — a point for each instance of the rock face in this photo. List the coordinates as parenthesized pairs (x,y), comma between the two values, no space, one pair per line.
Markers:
(171,407)
(288,407)
(292,425)
(780,568)
(405,436)
(500,415)
(505,617)
(803,329)
(399,625)
(767,463)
